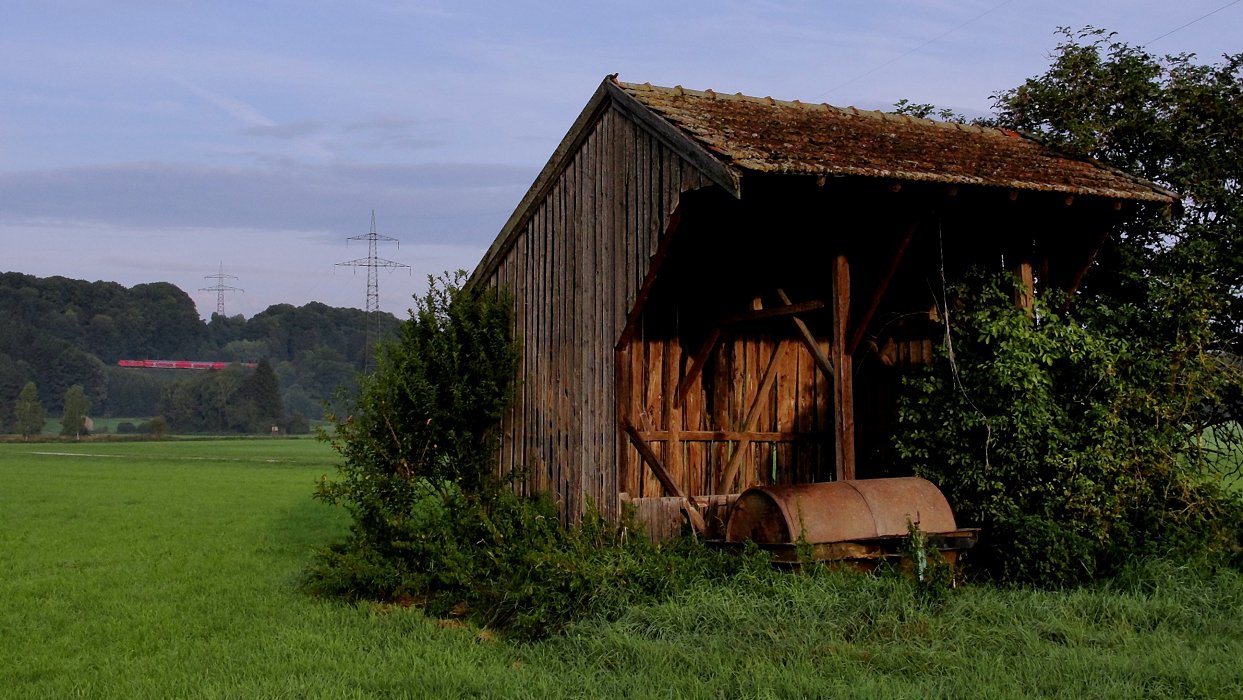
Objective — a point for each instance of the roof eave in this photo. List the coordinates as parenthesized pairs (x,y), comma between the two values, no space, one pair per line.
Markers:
(609,93)
(727,176)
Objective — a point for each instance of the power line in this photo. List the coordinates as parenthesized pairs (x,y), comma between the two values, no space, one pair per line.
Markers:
(933,40)
(1197,19)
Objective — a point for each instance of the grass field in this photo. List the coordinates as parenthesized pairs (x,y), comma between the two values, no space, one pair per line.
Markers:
(171,569)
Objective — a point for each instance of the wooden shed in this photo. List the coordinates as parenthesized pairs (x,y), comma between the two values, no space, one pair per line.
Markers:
(718,291)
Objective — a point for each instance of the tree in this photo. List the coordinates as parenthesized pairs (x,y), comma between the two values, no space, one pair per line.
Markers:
(157,426)
(73,421)
(12,379)
(426,418)
(29,411)
(1077,439)
(260,399)
(1074,447)
(1176,122)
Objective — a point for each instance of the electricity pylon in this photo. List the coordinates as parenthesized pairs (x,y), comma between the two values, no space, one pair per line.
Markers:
(373,263)
(220,287)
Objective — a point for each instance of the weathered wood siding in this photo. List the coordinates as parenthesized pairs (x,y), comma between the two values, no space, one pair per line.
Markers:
(575,269)
(790,439)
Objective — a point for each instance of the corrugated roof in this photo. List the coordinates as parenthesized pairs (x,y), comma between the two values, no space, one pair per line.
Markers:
(775,136)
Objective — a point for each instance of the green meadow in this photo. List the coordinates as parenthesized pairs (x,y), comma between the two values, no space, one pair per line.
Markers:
(171,569)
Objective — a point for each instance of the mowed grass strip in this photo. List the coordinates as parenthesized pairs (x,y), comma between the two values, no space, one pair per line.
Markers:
(171,569)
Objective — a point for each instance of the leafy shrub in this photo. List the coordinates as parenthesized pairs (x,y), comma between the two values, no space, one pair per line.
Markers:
(432,525)
(430,409)
(513,566)
(1074,447)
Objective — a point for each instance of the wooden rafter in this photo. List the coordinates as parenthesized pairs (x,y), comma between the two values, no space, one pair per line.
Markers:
(649,280)
(653,462)
(697,363)
(809,340)
(882,286)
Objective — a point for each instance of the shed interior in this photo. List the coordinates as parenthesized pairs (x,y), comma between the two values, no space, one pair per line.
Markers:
(772,330)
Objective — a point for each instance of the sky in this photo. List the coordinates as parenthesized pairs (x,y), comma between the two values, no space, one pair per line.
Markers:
(166,140)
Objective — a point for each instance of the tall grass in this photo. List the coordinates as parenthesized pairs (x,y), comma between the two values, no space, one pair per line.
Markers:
(173,570)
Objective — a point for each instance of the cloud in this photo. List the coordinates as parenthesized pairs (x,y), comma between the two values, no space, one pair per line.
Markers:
(419,203)
(293,130)
(235,108)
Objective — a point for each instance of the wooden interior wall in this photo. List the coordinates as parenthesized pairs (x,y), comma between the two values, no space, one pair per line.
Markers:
(789,440)
(574,270)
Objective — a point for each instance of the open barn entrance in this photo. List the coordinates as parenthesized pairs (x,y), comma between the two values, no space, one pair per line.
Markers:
(772,332)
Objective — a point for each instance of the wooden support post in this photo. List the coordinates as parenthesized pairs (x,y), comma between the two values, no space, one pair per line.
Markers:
(671,409)
(843,371)
(1024,294)
(622,399)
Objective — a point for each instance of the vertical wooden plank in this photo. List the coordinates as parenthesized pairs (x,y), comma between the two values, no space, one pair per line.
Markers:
(693,419)
(673,410)
(638,364)
(722,419)
(539,408)
(805,415)
(555,385)
(513,280)
(600,338)
(787,409)
(530,348)
(843,372)
(580,303)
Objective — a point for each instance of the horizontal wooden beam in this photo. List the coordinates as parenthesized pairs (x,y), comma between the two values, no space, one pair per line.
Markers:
(774,312)
(731,436)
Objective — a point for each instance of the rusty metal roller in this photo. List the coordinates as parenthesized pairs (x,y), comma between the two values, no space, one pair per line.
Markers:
(838,511)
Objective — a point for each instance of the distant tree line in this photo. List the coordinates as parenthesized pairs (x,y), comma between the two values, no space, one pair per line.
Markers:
(60,332)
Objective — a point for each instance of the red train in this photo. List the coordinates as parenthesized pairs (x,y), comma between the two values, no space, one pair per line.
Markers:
(181,364)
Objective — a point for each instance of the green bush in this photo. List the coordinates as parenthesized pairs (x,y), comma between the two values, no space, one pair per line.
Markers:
(1073,445)
(512,566)
(432,524)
